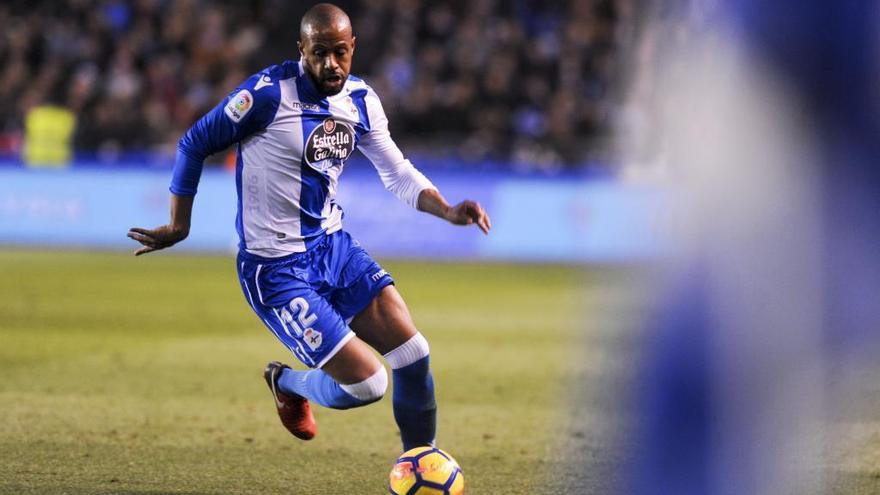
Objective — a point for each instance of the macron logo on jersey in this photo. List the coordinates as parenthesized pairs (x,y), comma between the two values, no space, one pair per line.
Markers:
(239,105)
(262,83)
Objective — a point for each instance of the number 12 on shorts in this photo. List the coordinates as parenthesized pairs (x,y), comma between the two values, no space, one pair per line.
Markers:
(302,324)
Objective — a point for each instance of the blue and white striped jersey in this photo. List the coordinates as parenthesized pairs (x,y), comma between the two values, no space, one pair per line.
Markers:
(292,146)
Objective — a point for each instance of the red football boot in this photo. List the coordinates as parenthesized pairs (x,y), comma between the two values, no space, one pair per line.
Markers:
(294,410)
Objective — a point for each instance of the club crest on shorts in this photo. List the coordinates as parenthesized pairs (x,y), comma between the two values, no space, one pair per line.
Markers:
(313,338)
(329,144)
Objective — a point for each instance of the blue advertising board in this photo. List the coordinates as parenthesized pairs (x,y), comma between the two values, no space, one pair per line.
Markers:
(534,219)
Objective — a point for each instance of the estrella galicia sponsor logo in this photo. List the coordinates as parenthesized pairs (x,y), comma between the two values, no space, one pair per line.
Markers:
(329,144)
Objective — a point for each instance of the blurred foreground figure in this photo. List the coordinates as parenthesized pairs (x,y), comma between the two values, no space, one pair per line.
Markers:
(314,287)
(770,113)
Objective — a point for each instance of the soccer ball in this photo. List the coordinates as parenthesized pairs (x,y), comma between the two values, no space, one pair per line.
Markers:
(426,471)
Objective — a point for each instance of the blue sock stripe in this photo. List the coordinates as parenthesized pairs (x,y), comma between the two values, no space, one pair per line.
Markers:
(318,387)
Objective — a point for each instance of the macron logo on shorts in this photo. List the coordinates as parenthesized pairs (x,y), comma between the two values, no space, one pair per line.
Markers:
(376,276)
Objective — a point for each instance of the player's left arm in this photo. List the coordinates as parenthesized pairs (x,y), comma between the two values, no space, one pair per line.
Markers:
(465,213)
(406,182)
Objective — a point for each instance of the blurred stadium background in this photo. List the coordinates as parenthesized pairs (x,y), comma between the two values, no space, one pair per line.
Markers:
(569,121)
(530,83)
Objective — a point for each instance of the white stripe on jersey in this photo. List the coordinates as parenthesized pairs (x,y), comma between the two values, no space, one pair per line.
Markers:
(271,182)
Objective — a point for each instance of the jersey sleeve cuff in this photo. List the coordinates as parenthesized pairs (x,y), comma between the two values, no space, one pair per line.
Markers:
(418,184)
(187,172)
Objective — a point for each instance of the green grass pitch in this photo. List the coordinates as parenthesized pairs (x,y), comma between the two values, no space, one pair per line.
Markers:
(144,375)
(124,375)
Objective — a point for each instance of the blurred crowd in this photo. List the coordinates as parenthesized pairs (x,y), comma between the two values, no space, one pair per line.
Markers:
(528,82)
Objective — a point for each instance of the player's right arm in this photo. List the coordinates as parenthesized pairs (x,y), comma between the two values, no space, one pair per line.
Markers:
(248,109)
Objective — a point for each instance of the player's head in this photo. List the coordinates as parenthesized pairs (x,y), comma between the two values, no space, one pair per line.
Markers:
(326,45)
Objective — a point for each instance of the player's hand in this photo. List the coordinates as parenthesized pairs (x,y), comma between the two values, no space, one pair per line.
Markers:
(468,212)
(158,238)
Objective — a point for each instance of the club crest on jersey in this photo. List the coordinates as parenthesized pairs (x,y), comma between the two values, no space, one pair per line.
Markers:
(239,105)
(329,144)
(351,106)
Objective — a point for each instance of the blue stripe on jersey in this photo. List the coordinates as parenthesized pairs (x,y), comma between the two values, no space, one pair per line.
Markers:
(314,193)
(315,186)
(239,221)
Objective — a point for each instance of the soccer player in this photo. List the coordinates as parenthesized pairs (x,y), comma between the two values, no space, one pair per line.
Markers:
(311,284)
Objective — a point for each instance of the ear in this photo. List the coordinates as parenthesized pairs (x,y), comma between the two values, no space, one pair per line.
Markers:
(299,46)
(353,40)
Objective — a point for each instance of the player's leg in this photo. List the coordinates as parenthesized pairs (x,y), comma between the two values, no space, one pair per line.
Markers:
(352,377)
(387,326)
(343,383)
(346,373)
(368,300)
(385,323)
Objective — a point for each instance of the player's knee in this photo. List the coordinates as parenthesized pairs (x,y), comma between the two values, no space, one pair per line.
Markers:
(414,349)
(371,389)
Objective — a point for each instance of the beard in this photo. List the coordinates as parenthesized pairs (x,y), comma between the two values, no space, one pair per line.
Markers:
(331,85)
